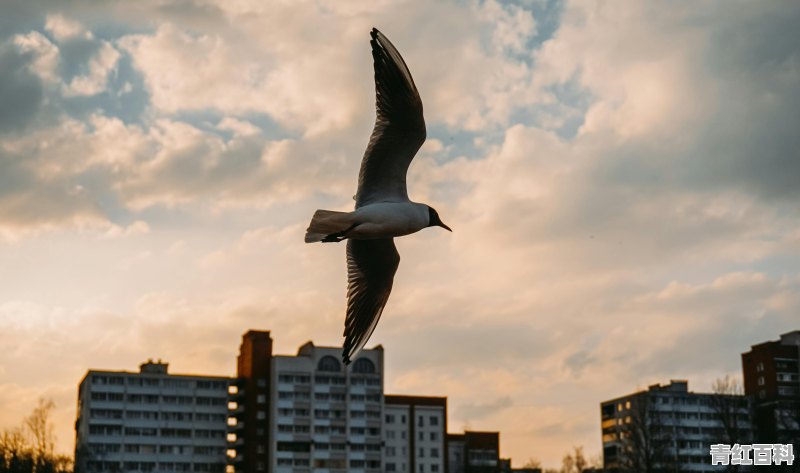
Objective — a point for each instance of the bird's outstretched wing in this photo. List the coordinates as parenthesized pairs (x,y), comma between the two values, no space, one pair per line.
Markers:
(371,265)
(399,127)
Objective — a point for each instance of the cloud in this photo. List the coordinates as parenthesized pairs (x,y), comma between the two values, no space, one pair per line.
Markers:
(621,182)
(185,72)
(96,78)
(45,54)
(21,90)
(63,28)
(476,411)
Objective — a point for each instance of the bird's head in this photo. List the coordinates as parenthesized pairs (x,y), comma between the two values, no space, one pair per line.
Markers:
(434,220)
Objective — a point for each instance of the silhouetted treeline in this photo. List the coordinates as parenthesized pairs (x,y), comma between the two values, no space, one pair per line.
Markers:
(30,448)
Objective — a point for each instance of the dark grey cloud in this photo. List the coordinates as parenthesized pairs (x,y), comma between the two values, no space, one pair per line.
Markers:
(748,77)
(718,321)
(21,91)
(75,55)
(20,16)
(477,411)
(478,344)
(716,345)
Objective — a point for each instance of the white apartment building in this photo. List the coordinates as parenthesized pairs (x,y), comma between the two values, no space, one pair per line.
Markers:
(151,421)
(670,428)
(325,417)
(415,434)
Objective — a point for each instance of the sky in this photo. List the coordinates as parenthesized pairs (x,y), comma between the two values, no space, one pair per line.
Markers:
(622,179)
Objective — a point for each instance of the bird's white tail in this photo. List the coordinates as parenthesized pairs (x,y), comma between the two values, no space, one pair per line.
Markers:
(326,222)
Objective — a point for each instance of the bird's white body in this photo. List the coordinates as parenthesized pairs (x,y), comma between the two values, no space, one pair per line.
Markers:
(370,222)
(388,219)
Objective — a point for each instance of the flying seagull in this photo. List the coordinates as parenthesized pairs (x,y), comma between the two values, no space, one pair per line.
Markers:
(383,210)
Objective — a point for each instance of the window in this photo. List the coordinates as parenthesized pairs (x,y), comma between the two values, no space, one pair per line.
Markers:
(363,365)
(389,419)
(435,452)
(760,367)
(760,380)
(421,421)
(329,363)
(434,420)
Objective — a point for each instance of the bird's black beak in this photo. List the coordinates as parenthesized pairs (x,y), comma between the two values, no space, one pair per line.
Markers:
(434,220)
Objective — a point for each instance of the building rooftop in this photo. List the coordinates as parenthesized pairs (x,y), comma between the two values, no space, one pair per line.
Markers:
(154,367)
(675,385)
(786,339)
(417,400)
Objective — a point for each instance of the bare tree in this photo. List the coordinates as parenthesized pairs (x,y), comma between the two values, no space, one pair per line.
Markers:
(40,430)
(727,405)
(648,442)
(532,463)
(13,449)
(787,423)
(726,402)
(574,462)
(30,447)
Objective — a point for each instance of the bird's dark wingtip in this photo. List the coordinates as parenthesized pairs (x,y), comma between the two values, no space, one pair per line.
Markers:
(345,358)
(374,33)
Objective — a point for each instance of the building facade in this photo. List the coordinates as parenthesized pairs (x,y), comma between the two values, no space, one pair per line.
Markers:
(305,412)
(474,452)
(669,428)
(249,422)
(151,421)
(327,416)
(415,434)
(772,378)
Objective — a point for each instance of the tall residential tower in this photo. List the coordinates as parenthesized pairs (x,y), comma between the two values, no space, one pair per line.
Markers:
(772,378)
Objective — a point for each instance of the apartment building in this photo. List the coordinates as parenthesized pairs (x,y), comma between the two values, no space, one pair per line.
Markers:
(305,412)
(151,420)
(772,378)
(668,427)
(415,434)
(474,452)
